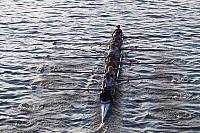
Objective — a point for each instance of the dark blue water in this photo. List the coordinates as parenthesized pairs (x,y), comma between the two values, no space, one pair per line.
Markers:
(36,37)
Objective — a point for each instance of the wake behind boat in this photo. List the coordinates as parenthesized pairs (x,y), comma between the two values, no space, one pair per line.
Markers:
(112,71)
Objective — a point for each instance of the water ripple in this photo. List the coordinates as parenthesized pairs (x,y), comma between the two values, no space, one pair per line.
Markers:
(38,36)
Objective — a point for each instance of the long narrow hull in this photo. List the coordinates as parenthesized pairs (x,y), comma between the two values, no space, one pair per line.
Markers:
(104,110)
(105,106)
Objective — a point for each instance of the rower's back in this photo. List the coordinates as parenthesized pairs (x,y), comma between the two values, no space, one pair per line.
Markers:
(105,96)
(117,32)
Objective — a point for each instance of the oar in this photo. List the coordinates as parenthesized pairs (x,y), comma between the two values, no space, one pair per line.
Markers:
(97,57)
(92,50)
(144,49)
(86,43)
(119,80)
(147,36)
(132,63)
(75,57)
(84,89)
(73,71)
(139,78)
(137,48)
(133,37)
(141,49)
(132,48)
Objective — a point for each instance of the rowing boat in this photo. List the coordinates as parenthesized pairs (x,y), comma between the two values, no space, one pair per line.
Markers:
(105,105)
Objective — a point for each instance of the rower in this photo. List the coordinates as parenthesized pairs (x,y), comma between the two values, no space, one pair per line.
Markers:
(108,83)
(113,53)
(115,50)
(113,63)
(110,55)
(114,42)
(118,32)
(111,71)
(105,96)
(117,41)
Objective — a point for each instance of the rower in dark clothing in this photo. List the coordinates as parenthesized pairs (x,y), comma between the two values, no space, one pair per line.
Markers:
(110,55)
(105,96)
(117,32)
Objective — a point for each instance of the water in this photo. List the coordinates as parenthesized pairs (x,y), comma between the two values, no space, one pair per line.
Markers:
(37,36)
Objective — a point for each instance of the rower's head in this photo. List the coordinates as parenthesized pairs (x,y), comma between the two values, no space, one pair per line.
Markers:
(110,68)
(107,75)
(118,26)
(112,45)
(111,42)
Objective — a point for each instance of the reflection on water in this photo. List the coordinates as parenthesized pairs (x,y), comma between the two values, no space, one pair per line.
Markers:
(158,91)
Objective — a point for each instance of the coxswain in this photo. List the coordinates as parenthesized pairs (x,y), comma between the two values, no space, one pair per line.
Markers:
(117,32)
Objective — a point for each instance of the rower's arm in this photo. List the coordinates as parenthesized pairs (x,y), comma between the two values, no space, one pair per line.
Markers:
(100,96)
(106,59)
(113,33)
(103,84)
(122,35)
(106,68)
